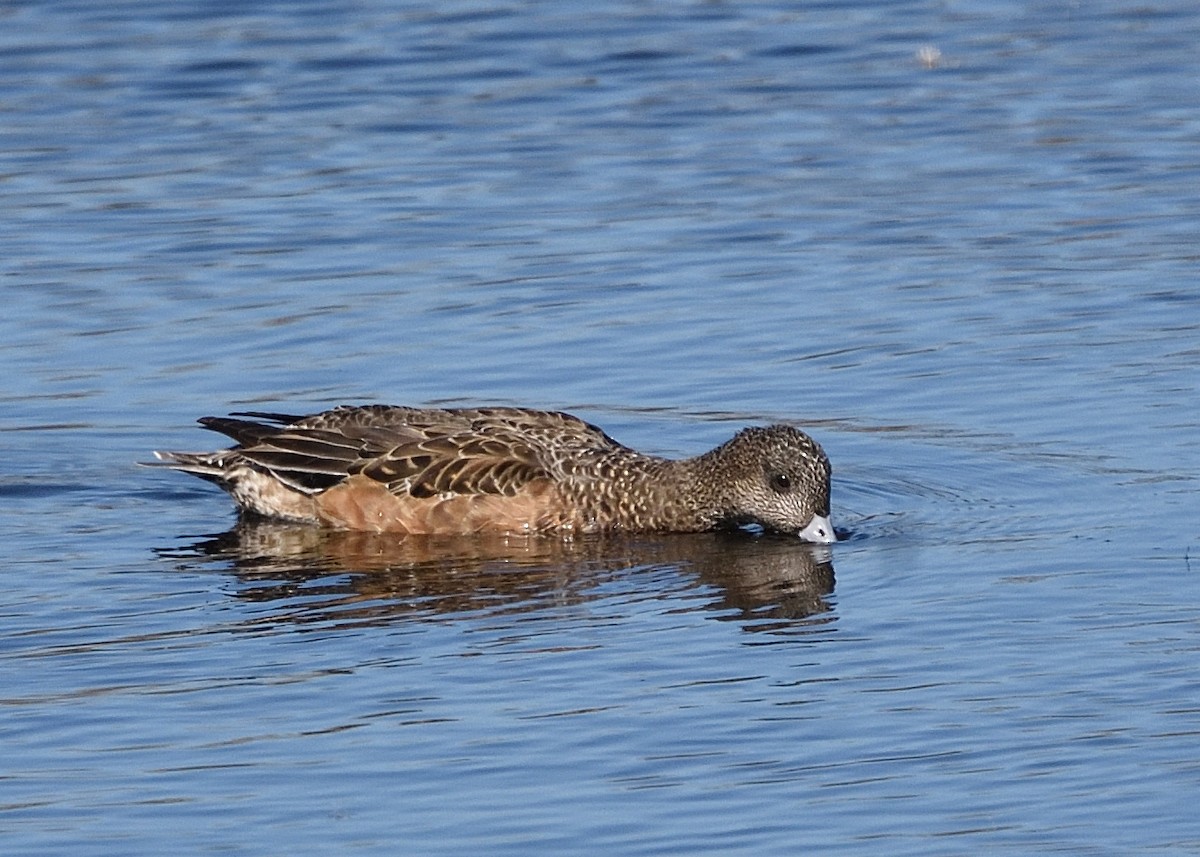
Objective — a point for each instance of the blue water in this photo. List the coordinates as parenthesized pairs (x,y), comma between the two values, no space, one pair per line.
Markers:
(956,242)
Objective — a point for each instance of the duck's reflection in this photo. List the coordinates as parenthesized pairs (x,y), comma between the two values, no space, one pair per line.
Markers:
(320,575)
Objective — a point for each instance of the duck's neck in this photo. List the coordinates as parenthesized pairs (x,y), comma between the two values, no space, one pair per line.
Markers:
(702,483)
(665,494)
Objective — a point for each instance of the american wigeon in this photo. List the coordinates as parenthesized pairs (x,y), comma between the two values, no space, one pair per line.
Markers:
(506,470)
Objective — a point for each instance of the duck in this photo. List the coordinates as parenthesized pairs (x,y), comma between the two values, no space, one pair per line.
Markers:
(506,470)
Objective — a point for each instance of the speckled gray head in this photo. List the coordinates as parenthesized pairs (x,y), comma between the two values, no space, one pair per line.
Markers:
(778,477)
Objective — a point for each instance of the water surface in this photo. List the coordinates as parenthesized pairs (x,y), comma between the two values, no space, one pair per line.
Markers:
(954,242)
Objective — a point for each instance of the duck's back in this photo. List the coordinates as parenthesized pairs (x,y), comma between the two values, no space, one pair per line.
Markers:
(404,469)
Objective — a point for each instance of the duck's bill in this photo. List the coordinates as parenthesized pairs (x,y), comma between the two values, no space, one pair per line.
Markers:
(819,531)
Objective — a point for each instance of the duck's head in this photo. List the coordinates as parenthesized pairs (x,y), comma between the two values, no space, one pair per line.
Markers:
(778,477)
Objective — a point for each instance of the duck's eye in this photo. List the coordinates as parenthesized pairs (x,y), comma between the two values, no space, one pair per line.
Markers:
(781,482)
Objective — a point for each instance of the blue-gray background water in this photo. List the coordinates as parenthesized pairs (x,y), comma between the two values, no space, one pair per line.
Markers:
(955,241)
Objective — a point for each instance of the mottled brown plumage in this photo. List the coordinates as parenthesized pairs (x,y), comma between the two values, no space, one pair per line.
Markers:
(506,470)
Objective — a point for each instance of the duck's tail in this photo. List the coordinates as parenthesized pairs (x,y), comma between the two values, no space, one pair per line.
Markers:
(212,466)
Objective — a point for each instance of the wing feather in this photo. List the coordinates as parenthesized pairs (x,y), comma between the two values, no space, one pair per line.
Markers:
(412,451)
(461,464)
